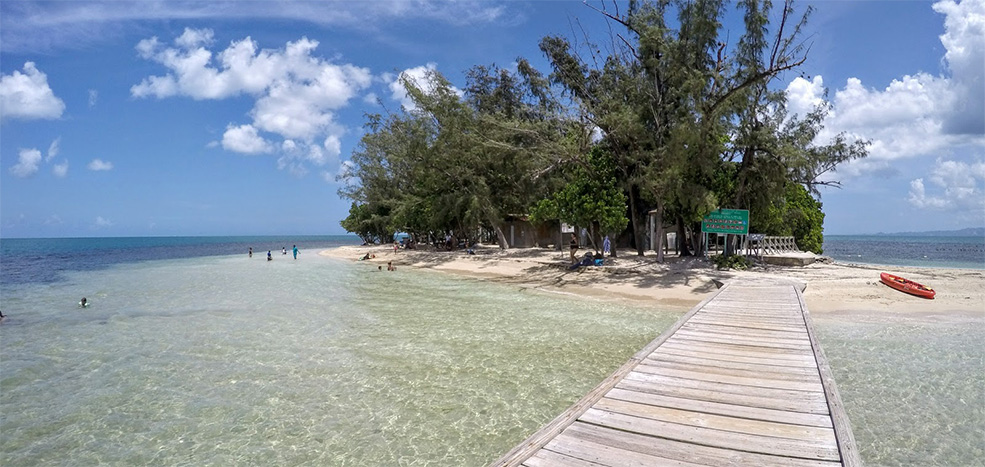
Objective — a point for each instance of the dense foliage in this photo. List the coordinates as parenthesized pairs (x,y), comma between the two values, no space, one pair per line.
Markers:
(592,198)
(670,121)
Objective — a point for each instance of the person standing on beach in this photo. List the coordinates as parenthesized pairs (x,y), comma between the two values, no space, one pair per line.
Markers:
(295,252)
(573,247)
(251,252)
(269,258)
(606,245)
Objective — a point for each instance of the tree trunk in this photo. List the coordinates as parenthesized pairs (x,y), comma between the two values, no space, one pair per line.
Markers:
(500,237)
(698,239)
(683,243)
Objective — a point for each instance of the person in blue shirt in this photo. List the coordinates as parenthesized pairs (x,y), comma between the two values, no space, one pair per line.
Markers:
(295,252)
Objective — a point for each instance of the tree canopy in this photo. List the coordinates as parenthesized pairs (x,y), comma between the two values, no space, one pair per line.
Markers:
(671,120)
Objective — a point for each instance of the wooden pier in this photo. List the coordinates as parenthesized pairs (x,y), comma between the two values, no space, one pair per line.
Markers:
(738,380)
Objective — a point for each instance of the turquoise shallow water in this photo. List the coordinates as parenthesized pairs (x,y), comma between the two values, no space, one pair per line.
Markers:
(219,360)
(228,360)
(913,387)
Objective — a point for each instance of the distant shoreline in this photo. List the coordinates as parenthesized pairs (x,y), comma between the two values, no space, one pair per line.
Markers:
(966,232)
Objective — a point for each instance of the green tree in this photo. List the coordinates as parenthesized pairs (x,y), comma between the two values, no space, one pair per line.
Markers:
(592,198)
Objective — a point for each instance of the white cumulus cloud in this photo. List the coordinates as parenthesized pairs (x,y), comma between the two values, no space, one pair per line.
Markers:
(27,163)
(245,139)
(918,115)
(60,170)
(803,95)
(99,165)
(102,222)
(957,186)
(27,95)
(964,39)
(296,93)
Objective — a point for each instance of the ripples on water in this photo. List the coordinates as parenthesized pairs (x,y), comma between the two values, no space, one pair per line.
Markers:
(913,390)
(946,252)
(226,360)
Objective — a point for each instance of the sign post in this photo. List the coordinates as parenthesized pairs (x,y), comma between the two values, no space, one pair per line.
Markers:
(726,221)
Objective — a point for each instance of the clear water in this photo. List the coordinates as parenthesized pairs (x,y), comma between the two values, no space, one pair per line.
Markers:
(901,250)
(192,356)
(227,360)
(913,388)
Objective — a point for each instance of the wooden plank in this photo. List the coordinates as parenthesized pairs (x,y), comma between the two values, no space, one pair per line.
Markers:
(732,330)
(743,380)
(746,324)
(548,458)
(738,338)
(711,395)
(825,436)
(727,364)
(719,408)
(677,450)
(725,344)
(816,450)
(802,356)
(709,367)
(668,349)
(607,455)
(788,312)
(782,315)
(774,393)
(760,302)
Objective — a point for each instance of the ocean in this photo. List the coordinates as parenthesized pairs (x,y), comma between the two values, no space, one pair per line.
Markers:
(193,353)
(906,250)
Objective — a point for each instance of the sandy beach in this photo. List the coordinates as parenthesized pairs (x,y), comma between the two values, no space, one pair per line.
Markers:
(833,290)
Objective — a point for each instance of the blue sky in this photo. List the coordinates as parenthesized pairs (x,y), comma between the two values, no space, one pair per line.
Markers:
(126,118)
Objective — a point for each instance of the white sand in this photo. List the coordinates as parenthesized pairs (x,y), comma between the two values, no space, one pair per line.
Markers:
(833,290)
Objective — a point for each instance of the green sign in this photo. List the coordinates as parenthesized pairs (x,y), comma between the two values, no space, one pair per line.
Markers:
(726,221)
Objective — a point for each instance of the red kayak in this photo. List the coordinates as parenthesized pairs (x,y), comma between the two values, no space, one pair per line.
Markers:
(906,285)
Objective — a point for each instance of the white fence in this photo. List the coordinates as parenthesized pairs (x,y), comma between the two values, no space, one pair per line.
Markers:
(759,245)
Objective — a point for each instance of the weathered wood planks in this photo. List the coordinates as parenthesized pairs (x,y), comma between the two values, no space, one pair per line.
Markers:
(738,380)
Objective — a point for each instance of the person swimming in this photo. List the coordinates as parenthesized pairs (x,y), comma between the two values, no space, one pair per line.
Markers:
(83,303)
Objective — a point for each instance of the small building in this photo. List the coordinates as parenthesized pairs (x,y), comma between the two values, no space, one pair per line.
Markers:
(521,233)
